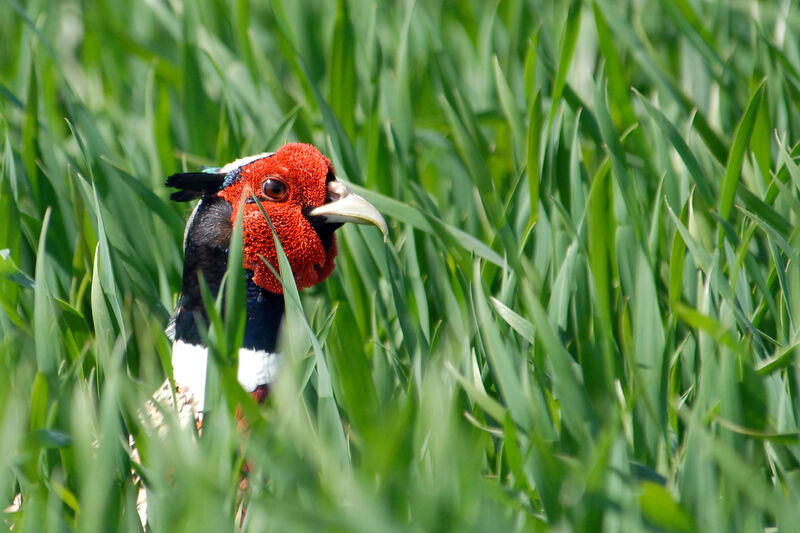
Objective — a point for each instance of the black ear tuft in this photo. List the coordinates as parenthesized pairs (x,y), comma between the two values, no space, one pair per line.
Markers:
(185,195)
(193,185)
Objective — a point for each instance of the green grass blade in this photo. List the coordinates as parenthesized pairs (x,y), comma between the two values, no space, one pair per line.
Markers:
(736,158)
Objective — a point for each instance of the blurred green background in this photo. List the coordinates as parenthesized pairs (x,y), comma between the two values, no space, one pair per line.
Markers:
(583,318)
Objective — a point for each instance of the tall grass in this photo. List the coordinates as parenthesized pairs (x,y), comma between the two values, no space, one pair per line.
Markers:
(584,318)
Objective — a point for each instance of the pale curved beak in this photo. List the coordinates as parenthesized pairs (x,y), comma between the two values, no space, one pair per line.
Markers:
(344,205)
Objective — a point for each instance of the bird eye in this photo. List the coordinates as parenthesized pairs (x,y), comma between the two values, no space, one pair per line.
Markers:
(274,189)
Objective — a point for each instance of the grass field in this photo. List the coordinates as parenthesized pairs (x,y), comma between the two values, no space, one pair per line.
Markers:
(584,318)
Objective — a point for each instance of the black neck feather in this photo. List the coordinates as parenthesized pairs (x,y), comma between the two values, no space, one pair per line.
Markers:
(206,251)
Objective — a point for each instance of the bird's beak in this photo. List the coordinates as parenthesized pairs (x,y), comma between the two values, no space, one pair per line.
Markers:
(343,205)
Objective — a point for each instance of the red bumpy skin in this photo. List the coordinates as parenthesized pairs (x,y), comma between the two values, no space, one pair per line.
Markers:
(304,172)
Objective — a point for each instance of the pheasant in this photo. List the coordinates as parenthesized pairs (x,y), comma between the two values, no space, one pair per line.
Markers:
(297,188)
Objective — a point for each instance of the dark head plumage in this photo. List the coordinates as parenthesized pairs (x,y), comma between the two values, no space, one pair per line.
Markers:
(194,185)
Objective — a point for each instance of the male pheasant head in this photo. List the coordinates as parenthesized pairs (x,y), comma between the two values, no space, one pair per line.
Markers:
(298,190)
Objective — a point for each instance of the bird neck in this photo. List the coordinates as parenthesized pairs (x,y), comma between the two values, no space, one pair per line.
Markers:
(263,316)
(206,254)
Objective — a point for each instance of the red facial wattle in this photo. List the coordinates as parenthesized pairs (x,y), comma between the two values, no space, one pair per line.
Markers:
(309,260)
(304,172)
